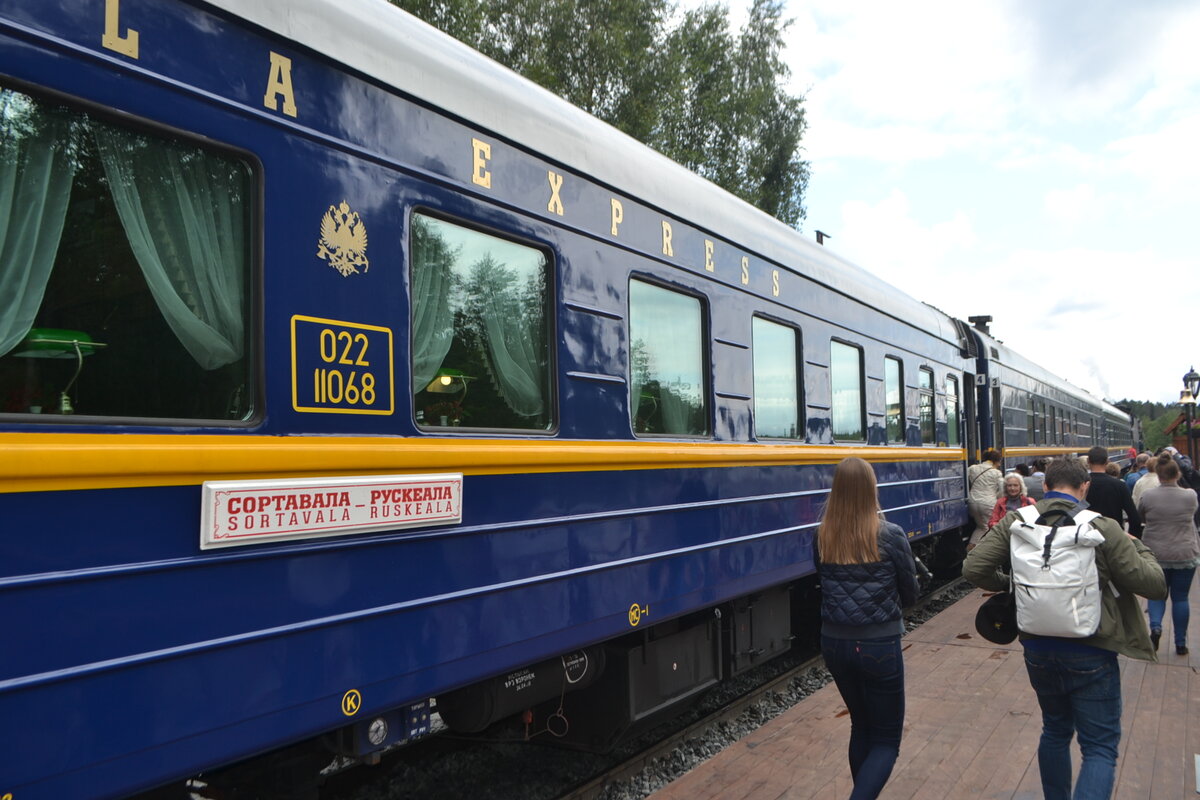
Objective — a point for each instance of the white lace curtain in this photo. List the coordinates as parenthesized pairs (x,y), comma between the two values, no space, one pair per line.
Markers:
(36,172)
(182,213)
(514,351)
(432,317)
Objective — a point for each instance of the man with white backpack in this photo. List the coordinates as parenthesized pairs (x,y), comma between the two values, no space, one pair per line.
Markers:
(1075,576)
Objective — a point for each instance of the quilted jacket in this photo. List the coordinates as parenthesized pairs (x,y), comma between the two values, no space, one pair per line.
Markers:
(866,601)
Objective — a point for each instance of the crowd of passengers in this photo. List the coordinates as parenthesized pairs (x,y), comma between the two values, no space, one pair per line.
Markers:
(1155,499)
(1149,549)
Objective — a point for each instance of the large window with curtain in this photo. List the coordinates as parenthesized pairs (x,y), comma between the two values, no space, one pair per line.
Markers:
(125,270)
(480,329)
(667,387)
(776,380)
(846,382)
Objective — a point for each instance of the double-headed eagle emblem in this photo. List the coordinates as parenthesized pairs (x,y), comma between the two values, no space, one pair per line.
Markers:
(343,240)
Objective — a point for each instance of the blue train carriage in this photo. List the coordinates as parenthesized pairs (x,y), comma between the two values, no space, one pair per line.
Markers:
(1036,414)
(342,369)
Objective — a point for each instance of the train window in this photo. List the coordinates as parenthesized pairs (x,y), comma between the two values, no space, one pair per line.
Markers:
(893,390)
(925,387)
(1053,439)
(480,329)
(125,261)
(776,380)
(952,437)
(666,380)
(846,381)
(1029,419)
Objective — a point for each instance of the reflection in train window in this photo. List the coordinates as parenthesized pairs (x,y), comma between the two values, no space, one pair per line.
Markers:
(776,381)
(952,437)
(846,379)
(925,386)
(1029,419)
(667,389)
(480,332)
(124,270)
(893,390)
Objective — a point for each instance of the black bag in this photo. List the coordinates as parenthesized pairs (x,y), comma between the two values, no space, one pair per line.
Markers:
(996,619)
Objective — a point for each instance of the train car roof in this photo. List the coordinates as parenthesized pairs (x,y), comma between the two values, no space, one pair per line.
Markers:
(389,45)
(1010,358)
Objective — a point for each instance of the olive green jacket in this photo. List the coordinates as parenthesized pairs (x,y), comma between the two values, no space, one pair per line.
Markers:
(1122,562)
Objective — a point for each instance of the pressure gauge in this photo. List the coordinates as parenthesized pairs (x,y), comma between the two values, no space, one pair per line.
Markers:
(377,731)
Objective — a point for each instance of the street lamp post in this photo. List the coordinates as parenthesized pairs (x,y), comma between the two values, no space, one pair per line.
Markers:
(1191,384)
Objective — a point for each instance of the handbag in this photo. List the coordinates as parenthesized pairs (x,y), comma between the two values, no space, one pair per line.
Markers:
(996,619)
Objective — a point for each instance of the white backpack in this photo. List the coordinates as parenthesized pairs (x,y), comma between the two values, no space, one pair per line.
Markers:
(1055,580)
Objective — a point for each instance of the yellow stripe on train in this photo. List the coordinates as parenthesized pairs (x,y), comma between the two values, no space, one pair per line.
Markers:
(38,462)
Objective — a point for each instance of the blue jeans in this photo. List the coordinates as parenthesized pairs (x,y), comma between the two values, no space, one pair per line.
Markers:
(869,673)
(1178,583)
(1079,694)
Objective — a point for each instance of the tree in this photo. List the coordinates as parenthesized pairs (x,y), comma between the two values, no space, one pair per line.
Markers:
(701,95)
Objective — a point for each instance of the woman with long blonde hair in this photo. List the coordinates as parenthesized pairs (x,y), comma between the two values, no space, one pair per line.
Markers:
(867,577)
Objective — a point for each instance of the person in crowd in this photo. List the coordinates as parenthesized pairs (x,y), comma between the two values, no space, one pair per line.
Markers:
(1141,465)
(1034,483)
(1145,483)
(1189,477)
(1169,514)
(1113,468)
(1014,498)
(1108,496)
(867,577)
(1078,681)
(985,484)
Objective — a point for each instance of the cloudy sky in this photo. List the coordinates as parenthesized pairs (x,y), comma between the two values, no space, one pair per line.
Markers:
(1035,160)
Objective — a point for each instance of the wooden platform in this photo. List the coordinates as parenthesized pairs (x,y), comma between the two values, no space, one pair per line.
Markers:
(971,728)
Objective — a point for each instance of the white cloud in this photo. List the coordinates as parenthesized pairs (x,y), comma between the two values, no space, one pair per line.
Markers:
(1075,205)
(1167,158)
(887,143)
(876,61)
(1088,315)
(894,245)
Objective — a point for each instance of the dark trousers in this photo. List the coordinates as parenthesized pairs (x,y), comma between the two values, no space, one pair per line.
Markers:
(1179,581)
(1080,696)
(869,673)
